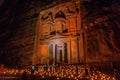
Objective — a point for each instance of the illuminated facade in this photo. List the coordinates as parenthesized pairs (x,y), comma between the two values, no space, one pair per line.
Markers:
(69,33)
(58,37)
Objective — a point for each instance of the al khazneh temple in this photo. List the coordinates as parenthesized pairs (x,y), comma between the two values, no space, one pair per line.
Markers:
(63,37)
(59,38)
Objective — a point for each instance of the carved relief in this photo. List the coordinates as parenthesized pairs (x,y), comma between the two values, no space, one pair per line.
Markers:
(46,16)
(57,24)
(46,29)
(60,14)
(73,8)
(61,27)
(72,25)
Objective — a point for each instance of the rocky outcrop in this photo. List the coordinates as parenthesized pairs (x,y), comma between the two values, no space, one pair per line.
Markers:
(101,26)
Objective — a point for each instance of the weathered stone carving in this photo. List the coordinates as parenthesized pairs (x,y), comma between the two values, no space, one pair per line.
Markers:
(59,25)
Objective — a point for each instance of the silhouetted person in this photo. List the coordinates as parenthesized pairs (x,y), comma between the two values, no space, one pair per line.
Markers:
(86,71)
(91,69)
(24,76)
(32,69)
(76,70)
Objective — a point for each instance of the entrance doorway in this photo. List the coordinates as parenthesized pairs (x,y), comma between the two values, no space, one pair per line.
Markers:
(58,53)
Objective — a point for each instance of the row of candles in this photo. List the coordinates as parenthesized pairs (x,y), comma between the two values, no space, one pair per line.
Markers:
(67,71)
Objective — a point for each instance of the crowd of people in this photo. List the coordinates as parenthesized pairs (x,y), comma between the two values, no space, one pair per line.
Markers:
(61,72)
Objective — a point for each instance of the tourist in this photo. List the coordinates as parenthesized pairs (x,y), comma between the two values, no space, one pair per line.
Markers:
(32,69)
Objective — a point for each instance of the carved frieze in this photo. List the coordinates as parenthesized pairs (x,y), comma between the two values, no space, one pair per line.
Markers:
(59,20)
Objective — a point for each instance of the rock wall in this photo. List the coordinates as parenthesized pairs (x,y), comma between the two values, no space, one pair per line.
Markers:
(102,29)
(18,39)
